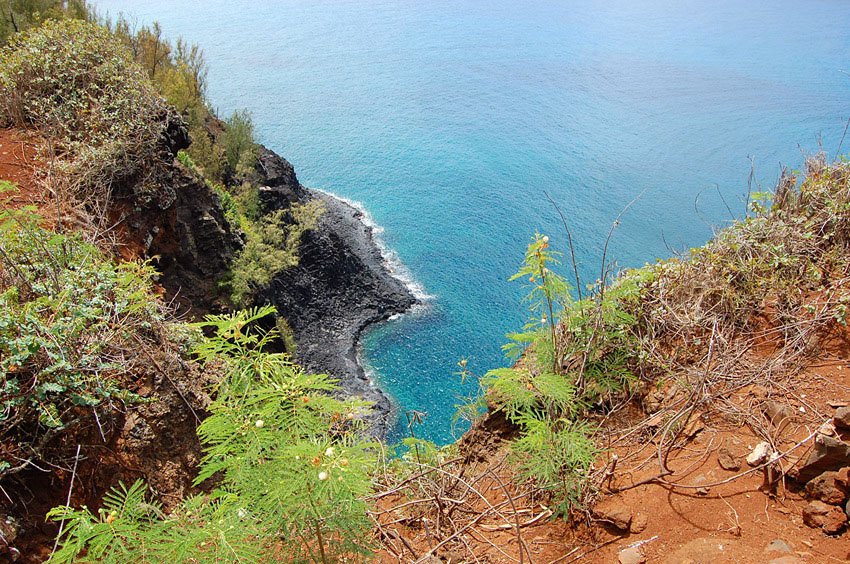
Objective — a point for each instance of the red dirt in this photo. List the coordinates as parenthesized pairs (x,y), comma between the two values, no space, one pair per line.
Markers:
(730,522)
(18,162)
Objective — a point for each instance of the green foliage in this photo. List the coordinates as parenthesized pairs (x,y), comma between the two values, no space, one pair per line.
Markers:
(78,82)
(655,320)
(571,356)
(21,15)
(206,153)
(556,455)
(186,160)
(129,527)
(238,141)
(292,461)
(67,316)
(178,71)
(548,294)
(76,79)
(271,246)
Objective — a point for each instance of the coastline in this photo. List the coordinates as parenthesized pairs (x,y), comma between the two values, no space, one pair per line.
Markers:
(345,282)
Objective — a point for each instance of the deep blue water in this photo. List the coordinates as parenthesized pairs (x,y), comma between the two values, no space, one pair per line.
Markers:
(448,120)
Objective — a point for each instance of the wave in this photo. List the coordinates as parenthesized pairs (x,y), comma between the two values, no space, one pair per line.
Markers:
(391,261)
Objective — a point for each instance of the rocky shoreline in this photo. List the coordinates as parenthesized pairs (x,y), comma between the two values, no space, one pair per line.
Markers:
(340,287)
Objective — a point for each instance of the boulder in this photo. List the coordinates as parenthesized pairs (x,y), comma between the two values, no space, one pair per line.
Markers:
(828,454)
(828,488)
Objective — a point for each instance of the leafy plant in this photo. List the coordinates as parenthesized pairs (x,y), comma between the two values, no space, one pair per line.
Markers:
(21,15)
(571,356)
(78,82)
(293,464)
(67,317)
(556,455)
(271,246)
(238,141)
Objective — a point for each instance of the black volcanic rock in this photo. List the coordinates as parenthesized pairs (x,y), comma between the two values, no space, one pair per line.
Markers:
(182,225)
(340,286)
(279,187)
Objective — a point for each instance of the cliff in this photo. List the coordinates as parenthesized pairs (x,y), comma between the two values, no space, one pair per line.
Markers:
(338,288)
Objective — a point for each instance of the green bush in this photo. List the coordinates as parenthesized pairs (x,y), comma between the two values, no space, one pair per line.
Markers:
(571,356)
(21,15)
(293,466)
(78,82)
(207,154)
(68,319)
(271,247)
(238,141)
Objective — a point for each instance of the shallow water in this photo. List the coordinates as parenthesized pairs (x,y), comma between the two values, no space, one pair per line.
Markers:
(449,120)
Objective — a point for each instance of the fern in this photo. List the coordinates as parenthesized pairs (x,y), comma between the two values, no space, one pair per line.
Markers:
(556,455)
(293,463)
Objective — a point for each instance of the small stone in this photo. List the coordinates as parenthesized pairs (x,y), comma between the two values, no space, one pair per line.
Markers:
(615,513)
(830,518)
(779,414)
(727,460)
(842,418)
(758,391)
(828,488)
(842,478)
(694,427)
(778,545)
(759,455)
(699,481)
(835,521)
(631,555)
(814,513)
(639,523)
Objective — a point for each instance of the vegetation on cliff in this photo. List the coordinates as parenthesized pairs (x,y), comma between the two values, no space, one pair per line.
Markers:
(71,322)
(292,465)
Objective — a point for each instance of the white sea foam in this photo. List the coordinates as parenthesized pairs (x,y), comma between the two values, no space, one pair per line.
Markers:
(391,261)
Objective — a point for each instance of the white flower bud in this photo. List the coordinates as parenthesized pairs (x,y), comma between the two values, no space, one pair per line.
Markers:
(329,451)
(545,238)
(259,423)
(323,476)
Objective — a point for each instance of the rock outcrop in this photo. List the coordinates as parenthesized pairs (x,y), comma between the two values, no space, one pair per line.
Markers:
(183,228)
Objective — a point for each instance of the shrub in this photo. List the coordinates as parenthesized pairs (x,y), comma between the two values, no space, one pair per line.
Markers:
(293,464)
(571,356)
(79,83)
(21,15)
(207,154)
(238,141)
(271,247)
(68,321)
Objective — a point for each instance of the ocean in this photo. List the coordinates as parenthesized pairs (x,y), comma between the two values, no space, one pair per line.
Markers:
(451,120)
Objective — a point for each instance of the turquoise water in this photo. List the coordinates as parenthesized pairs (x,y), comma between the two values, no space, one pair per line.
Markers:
(449,119)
